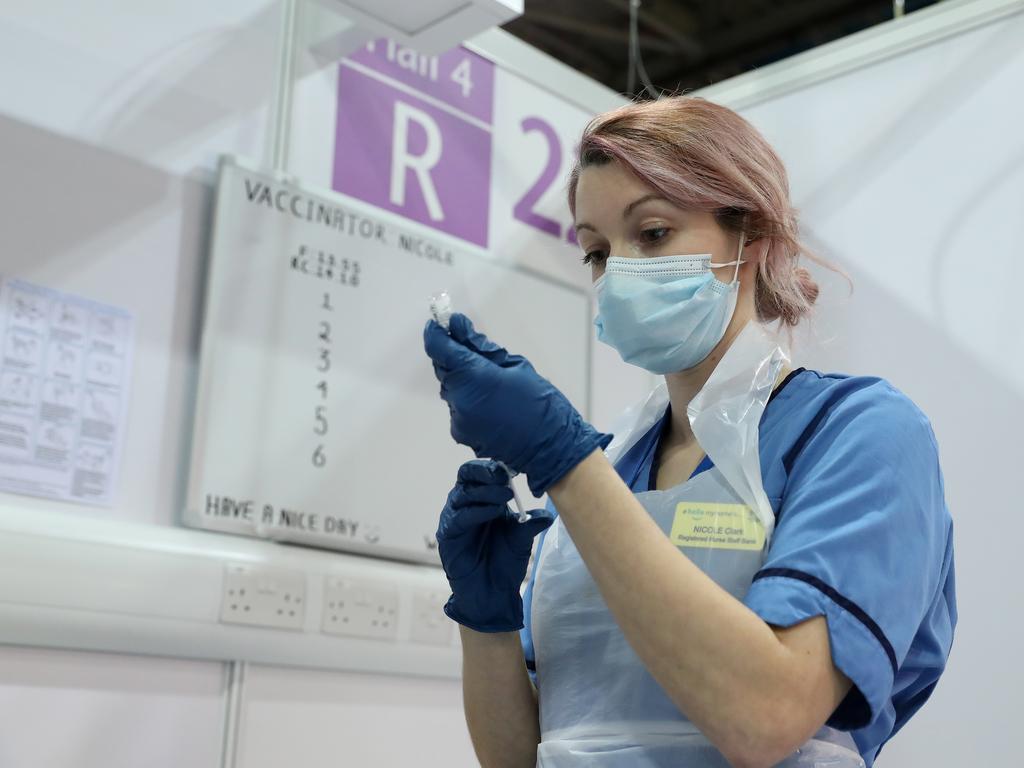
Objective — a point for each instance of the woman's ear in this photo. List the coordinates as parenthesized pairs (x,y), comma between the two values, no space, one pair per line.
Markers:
(760,246)
(754,253)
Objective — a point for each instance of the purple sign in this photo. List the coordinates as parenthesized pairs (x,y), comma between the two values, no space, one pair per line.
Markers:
(413,136)
(459,78)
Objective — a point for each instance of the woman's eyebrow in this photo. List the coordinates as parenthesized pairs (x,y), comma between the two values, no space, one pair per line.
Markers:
(627,210)
(652,196)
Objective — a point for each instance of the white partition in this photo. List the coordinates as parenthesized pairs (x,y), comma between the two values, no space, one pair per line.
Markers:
(112,124)
(112,119)
(906,155)
(330,719)
(115,149)
(67,708)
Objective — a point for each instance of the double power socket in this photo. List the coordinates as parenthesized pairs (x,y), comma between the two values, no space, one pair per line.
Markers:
(273,597)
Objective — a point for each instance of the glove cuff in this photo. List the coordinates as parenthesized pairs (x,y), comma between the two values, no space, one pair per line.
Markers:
(573,446)
(500,613)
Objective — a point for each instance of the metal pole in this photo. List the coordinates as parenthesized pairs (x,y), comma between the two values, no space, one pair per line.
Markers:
(232,713)
(284,86)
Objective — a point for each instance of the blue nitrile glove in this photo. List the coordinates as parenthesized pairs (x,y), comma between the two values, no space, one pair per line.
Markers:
(503,409)
(485,549)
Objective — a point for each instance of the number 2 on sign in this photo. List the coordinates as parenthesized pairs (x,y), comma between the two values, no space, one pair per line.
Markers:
(524,209)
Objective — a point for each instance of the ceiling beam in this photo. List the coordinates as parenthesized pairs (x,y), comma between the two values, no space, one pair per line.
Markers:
(784,20)
(597,31)
(746,43)
(672,22)
(586,60)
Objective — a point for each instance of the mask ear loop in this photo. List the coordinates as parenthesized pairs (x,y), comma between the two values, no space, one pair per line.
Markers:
(737,262)
(739,253)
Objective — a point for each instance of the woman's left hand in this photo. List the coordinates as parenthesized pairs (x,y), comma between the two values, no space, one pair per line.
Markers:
(503,409)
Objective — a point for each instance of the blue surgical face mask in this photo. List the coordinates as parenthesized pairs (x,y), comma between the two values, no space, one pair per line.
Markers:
(664,314)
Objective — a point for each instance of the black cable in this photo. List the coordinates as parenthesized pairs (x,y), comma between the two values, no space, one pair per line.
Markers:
(636,61)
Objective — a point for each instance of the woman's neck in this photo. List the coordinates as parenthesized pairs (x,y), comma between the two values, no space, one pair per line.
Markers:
(684,386)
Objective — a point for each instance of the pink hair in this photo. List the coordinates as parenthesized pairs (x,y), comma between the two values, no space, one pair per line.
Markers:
(703,156)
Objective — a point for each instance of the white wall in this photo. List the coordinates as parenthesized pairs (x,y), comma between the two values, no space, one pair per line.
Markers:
(319,719)
(65,708)
(111,119)
(112,116)
(910,176)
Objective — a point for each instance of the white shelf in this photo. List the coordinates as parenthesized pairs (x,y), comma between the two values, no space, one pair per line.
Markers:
(90,584)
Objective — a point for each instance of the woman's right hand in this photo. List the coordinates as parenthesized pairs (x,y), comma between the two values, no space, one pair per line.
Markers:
(485,549)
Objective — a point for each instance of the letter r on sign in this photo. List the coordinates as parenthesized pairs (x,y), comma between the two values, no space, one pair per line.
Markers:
(402,161)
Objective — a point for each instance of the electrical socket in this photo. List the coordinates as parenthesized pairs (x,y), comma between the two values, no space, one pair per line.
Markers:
(360,609)
(430,625)
(263,597)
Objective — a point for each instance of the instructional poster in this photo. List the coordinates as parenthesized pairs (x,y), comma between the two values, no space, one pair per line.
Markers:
(64,375)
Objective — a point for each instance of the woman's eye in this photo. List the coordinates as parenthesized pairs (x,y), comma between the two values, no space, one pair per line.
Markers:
(653,235)
(593,256)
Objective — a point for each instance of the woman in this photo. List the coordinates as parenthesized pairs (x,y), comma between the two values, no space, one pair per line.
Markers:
(760,571)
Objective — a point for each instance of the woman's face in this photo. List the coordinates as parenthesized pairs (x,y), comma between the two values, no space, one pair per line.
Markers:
(618,215)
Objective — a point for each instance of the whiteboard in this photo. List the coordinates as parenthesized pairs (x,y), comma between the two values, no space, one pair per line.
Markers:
(318,417)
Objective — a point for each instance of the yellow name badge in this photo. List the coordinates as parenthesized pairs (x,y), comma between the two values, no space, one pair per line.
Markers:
(716,526)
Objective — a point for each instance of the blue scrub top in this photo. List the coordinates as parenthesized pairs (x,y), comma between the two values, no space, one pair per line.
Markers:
(862,537)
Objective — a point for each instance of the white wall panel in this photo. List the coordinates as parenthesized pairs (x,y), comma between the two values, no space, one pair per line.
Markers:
(910,175)
(64,709)
(112,116)
(173,85)
(330,720)
(122,232)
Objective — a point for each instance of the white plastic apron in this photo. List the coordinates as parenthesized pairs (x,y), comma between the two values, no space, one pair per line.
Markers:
(599,706)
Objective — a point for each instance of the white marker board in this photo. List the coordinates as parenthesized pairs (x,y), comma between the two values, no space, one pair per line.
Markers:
(318,418)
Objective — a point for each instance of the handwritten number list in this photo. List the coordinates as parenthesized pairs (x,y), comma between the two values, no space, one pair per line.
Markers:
(327,267)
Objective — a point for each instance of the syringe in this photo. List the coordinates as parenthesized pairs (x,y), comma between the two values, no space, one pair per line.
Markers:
(523,517)
(441,309)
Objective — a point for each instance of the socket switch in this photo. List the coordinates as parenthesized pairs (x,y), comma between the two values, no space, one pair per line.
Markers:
(263,597)
(430,625)
(360,608)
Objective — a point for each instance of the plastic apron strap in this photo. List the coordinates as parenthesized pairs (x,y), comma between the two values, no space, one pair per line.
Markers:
(726,413)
